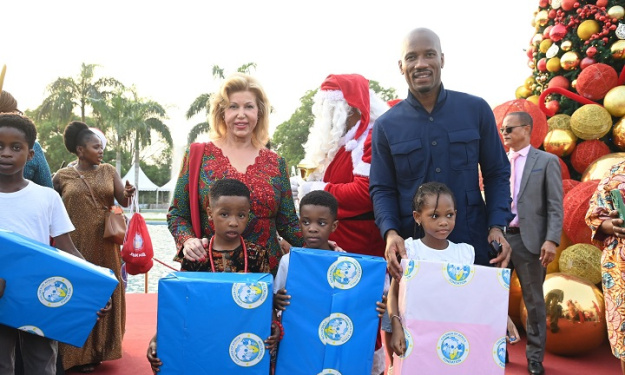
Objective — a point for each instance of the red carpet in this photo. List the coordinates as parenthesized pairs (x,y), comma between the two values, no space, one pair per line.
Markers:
(141,326)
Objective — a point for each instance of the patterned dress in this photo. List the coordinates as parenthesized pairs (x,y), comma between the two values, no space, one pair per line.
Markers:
(612,258)
(272,208)
(233,260)
(105,341)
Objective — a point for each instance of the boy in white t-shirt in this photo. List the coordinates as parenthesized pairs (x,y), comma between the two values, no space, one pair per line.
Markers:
(35,212)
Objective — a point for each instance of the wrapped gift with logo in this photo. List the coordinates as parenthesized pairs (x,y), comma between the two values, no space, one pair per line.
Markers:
(50,292)
(454,318)
(330,325)
(214,323)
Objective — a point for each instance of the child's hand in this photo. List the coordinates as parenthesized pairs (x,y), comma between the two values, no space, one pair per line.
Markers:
(105,310)
(276,334)
(381,307)
(398,342)
(3,284)
(281,300)
(155,362)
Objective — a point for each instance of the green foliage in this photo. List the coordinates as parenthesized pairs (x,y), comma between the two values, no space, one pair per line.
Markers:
(289,138)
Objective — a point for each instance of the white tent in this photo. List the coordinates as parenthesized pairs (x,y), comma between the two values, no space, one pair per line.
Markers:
(170,185)
(144,183)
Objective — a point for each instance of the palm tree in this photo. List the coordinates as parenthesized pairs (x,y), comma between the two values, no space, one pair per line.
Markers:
(202,102)
(67,93)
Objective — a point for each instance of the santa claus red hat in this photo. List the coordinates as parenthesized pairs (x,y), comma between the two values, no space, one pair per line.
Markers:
(355,89)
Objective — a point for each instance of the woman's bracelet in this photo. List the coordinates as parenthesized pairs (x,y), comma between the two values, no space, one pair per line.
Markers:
(398,318)
(279,325)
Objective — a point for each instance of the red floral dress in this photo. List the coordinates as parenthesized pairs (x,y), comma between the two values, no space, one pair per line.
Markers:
(272,205)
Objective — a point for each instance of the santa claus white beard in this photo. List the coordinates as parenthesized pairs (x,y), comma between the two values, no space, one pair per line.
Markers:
(326,134)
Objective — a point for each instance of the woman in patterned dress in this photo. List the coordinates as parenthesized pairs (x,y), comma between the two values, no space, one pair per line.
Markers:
(87,213)
(239,118)
(608,233)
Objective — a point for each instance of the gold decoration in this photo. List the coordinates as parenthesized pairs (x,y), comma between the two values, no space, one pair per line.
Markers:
(306,169)
(541,78)
(2,73)
(560,142)
(617,12)
(618,134)
(618,49)
(598,169)
(553,64)
(564,243)
(575,315)
(531,64)
(587,28)
(514,300)
(533,98)
(614,101)
(522,92)
(582,260)
(529,81)
(566,45)
(560,121)
(574,83)
(544,45)
(542,18)
(591,121)
(569,61)
(537,39)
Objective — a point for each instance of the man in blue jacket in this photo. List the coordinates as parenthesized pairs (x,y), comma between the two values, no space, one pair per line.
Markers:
(439,135)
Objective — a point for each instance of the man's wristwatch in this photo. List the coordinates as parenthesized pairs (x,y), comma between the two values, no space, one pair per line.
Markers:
(500,227)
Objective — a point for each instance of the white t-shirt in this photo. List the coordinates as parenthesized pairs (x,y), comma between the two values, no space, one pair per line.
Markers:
(36,212)
(461,253)
(279,281)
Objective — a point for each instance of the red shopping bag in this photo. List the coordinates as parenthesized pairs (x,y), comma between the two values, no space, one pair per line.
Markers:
(137,251)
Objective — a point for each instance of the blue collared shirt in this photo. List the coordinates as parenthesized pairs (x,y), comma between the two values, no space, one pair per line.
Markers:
(412,146)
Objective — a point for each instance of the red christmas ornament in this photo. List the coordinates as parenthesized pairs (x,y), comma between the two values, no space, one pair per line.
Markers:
(586,153)
(596,80)
(543,3)
(564,170)
(530,53)
(542,65)
(568,4)
(539,130)
(576,203)
(568,185)
(559,81)
(547,32)
(557,32)
(591,51)
(553,106)
(586,62)
(602,3)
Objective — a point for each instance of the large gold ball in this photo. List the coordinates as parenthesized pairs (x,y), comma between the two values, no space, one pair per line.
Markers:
(618,49)
(591,121)
(514,300)
(529,81)
(544,45)
(599,167)
(614,101)
(560,121)
(553,64)
(587,28)
(575,315)
(617,12)
(569,60)
(582,260)
(560,142)
(554,266)
(618,134)
(533,98)
(522,92)
(566,45)
(542,18)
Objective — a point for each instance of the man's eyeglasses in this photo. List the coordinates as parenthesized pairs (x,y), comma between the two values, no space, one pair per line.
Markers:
(509,129)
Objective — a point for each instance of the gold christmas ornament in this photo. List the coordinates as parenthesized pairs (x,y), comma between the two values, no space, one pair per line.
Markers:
(601,166)
(533,98)
(514,299)
(575,315)
(566,45)
(522,92)
(617,12)
(531,64)
(537,39)
(569,61)
(618,49)
(529,81)
(618,134)
(560,121)
(542,18)
(587,28)
(614,101)
(553,64)
(591,121)
(544,45)
(574,83)
(560,142)
(541,78)
(582,260)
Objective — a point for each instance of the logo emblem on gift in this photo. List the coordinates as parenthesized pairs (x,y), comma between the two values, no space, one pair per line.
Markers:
(55,291)
(409,343)
(32,329)
(499,352)
(247,349)
(411,269)
(249,295)
(504,277)
(329,371)
(336,329)
(344,273)
(452,348)
(458,274)
(137,242)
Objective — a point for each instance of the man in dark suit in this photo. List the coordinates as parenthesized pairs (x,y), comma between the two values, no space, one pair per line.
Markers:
(534,233)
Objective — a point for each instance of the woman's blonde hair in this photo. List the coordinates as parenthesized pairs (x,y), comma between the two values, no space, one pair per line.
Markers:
(219,102)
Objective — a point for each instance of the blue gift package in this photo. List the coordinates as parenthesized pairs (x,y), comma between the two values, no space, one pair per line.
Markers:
(50,292)
(214,323)
(331,323)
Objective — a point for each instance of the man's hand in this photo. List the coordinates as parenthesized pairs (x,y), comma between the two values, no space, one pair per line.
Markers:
(194,249)
(496,234)
(547,253)
(155,362)
(395,251)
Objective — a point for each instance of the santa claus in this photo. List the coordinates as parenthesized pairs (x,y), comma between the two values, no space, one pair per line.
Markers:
(338,153)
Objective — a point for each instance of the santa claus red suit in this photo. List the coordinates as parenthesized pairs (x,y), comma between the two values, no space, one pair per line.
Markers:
(342,156)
